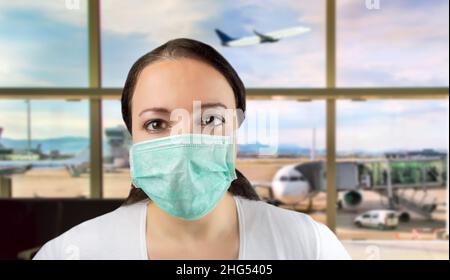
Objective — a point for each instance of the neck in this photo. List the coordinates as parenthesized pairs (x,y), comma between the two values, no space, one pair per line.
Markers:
(218,223)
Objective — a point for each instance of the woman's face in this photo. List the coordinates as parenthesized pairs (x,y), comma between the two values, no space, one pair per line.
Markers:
(167,92)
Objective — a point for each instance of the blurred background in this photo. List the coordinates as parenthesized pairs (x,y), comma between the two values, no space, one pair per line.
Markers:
(359,89)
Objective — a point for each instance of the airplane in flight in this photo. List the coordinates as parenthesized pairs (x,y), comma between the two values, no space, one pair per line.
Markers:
(260,38)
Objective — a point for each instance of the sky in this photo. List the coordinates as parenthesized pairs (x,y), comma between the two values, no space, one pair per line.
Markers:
(404,43)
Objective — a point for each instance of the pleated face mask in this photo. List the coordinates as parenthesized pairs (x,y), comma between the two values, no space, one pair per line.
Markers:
(185,175)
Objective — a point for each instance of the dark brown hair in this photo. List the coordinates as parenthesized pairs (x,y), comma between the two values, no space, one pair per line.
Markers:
(188,48)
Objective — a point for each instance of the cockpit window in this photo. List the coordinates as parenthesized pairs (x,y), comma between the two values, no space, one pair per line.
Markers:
(292,178)
(296,178)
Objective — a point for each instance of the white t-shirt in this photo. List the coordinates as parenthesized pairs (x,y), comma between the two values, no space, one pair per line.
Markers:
(266,232)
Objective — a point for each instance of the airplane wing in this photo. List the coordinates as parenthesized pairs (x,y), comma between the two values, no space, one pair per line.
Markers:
(265,38)
(10,170)
(244,41)
(79,159)
(229,41)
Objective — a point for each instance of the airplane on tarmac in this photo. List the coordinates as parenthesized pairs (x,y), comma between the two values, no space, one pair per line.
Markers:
(75,166)
(389,177)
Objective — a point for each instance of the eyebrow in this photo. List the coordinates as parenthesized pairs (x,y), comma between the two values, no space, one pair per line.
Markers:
(155,109)
(216,104)
(165,111)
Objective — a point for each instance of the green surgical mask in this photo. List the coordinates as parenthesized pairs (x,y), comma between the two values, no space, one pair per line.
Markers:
(185,175)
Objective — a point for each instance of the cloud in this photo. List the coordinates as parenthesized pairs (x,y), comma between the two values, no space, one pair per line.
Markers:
(158,21)
(402,44)
(296,61)
(291,114)
(303,137)
(382,125)
(14,65)
(444,105)
(292,63)
(374,47)
(378,108)
(49,119)
(60,10)
(48,45)
(292,122)
(112,114)
(400,133)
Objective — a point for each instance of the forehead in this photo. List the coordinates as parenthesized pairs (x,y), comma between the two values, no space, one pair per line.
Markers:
(176,83)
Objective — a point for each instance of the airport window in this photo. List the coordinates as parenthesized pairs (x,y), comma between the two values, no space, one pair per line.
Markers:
(298,61)
(117,140)
(392,43)
(45,158)
(389,88)
(43,44)
(378,127)
(399,145)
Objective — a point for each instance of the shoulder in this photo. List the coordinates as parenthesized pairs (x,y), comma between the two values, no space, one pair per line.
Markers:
(88,239)
(296,234)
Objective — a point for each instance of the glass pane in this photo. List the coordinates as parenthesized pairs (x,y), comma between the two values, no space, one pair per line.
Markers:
(392,155)
(133,28)
(273,159)
(116,143)
(43,43)
(395,43)
(44,145)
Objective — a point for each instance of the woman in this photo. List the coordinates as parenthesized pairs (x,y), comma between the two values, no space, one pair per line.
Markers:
(187,200)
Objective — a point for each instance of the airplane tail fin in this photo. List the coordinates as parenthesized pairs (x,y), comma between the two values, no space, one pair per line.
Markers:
(224,38)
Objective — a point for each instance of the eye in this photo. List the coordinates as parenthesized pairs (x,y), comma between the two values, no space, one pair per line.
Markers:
(214,120)
(156,125)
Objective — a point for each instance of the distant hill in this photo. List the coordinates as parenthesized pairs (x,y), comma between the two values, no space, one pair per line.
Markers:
(65,145)
(74,145)
(281,150)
